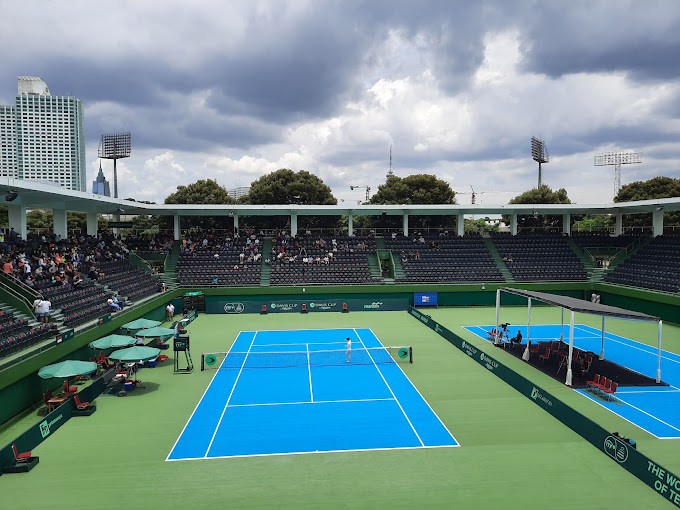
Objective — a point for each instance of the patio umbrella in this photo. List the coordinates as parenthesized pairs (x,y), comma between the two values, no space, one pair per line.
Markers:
(136,354)
(141,324)
(155,332)
(66,369)
(110,341)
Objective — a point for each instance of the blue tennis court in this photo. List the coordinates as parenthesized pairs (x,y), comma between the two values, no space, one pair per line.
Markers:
(291,392)
(656,409)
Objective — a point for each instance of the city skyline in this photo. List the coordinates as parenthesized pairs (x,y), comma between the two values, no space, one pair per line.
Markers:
(457,89)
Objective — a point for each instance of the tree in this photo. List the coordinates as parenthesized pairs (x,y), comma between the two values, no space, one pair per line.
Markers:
(481,225)
(285,186)
(658,187)
(414,189)
(201,192)
(542,195)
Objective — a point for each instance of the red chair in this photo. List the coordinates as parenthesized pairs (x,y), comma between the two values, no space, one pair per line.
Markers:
(534,349)
(162,357)
(609,392)
(47,396)
(79,404)
(595,382)
(121,372)
(20,457)
(69,389)
(546,354)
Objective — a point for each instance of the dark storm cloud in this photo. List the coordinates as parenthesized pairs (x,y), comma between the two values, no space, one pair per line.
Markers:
(639,38)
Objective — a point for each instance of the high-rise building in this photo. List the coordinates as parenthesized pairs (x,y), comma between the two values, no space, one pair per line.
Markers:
(42,136)
(237,193)
(100,186)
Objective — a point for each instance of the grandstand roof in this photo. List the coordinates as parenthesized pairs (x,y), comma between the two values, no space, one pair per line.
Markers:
(581,305)
(38,195)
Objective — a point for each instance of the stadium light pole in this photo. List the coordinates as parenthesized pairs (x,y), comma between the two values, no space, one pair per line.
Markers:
(539,153)
(115,147)
(617,159)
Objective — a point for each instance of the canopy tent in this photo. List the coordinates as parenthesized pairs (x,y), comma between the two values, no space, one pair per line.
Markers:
(155,332)
(581,306)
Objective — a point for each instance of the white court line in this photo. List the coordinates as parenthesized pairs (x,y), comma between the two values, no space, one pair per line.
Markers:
(392,392)
(651,353)
(230,394)
(315,452)
(618,392)
(314,402)
(648,414)
(201,399)
(310,343)
(421,395)
(309,369)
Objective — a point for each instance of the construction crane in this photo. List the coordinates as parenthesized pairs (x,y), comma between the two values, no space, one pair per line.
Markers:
(368,190)
(475,194)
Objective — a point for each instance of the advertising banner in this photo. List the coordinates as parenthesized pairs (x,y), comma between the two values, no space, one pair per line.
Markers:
(311,305)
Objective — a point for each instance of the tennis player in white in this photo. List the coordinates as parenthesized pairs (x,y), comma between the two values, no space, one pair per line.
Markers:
(349,350)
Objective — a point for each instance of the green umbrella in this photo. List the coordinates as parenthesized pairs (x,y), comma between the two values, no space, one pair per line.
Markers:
(136,354)
(155,332)
(68,368)
(110,341)
(141,324)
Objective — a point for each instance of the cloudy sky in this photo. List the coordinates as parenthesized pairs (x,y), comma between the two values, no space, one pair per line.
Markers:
(234,90)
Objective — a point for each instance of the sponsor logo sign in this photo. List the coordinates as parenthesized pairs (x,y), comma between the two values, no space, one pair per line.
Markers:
(375,305)
(234,308)
(616,449)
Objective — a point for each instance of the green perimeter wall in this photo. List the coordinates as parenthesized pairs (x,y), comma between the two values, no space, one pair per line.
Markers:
(20,386)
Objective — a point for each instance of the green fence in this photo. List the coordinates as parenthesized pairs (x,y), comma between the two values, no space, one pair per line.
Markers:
(658,478)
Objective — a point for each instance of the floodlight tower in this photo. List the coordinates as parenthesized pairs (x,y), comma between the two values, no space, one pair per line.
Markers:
(368,191)
(539,153)
(115,147)
(617,159)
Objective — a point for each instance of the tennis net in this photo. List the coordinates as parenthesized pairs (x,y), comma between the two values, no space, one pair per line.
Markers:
(284,359)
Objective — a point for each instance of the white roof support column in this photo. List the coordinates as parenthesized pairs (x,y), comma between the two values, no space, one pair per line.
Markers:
(571,350)
(293,225)
(175,228)
(460,225)
(350,225)
(513,224)
(59,226)
(17,219)
(235,224)
(566,223)
(657,222)
(618,229)
(92,223)
(405,225)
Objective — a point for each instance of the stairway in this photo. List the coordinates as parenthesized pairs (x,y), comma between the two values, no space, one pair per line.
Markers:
(266,272)
(502,267)
(374,265)
(169,275)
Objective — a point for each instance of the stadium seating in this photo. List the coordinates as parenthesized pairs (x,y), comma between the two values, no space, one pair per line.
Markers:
(656,266)
(538,257)
(444,259)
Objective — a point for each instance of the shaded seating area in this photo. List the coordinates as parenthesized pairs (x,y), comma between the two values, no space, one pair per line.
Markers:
(539,257)
(444,259)
(655,267)
(559,354)
(322,260)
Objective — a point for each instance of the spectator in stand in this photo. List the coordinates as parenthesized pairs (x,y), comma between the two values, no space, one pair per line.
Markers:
(45,306)
(113,305)
(7,266)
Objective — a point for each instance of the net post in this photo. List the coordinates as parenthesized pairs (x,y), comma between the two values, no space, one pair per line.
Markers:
(202,362)
(410,354)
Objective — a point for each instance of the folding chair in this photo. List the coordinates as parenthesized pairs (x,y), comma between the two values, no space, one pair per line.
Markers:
(79,404)
(20,457)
